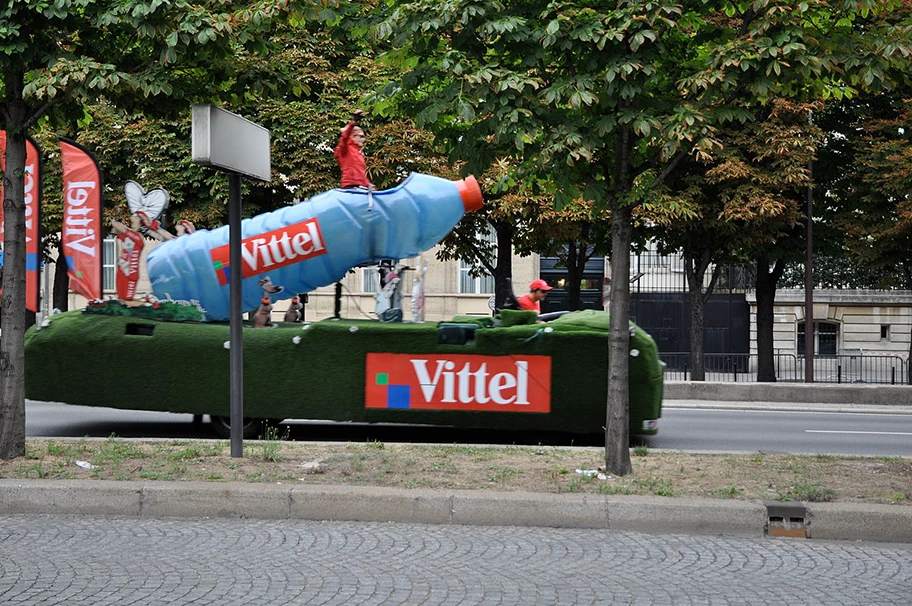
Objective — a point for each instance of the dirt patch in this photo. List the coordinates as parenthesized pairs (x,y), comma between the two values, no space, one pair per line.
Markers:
(511,468)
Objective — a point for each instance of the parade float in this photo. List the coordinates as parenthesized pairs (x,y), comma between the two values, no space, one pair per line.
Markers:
(170,351)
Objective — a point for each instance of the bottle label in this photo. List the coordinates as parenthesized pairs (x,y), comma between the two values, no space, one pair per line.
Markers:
(271,250)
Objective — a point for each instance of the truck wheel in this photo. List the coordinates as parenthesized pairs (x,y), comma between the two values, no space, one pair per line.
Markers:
(253,427)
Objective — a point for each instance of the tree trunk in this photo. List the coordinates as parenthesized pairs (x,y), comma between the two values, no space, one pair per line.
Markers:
(574,276)
(61,298)
(695,270)
(766,298)
(617,423)
(12,344)
(503,271)
(697,367)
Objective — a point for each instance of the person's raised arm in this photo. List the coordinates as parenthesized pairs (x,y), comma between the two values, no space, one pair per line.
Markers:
(347,131)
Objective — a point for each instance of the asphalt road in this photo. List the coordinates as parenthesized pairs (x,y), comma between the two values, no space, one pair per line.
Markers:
(853,433)
(680,428)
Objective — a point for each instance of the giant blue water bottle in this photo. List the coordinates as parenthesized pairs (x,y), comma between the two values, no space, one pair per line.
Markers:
(313,243)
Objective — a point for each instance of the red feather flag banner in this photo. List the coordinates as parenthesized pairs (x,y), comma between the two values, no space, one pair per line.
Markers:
(32,218)
(82,219)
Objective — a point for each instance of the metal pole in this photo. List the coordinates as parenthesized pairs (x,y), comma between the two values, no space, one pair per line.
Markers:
(237,317)
(43,310)
(809,281)
(337,304)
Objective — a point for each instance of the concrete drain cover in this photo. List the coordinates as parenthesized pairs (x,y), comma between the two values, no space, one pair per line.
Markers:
(787,519)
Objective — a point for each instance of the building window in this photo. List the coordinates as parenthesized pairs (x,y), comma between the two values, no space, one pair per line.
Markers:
(108,264)
(826,339)
(469,282)
(370,279)
(884,332)
(474,285)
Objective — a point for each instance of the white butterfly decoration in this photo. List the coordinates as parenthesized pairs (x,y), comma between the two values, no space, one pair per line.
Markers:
(152,202)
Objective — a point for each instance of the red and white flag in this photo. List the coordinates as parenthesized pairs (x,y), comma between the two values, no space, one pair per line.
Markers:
(32,217)
(82,219)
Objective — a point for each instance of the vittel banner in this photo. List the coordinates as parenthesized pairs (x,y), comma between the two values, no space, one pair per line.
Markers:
(82,219)
(271,250)
(32,217)
(513,383)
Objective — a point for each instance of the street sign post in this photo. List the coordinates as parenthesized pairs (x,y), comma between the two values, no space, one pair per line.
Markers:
(233,144)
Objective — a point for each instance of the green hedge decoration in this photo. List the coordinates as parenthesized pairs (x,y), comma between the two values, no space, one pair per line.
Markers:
(136,363)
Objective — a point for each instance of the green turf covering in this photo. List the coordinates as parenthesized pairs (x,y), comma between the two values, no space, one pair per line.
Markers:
(137,363)
(516,317)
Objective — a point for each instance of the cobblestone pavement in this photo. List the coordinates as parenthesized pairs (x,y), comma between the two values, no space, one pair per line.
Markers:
(122,560)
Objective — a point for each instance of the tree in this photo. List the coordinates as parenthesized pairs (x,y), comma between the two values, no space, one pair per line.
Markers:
(574,234)
(605,103)
(743,201)
(526,224)
(58,54)
(503,213)
(866,171)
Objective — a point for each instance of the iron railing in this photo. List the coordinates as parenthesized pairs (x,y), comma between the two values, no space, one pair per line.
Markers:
(840,368)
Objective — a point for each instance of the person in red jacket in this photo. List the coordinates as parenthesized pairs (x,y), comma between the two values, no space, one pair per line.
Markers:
(538,290)
(348,154)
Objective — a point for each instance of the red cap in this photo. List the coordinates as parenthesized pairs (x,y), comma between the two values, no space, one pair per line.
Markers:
(539,285)
(470,192)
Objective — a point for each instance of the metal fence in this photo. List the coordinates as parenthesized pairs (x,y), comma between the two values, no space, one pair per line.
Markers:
(841,368)
(652,272)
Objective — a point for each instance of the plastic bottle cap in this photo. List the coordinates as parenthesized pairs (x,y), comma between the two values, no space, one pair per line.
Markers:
(470,192)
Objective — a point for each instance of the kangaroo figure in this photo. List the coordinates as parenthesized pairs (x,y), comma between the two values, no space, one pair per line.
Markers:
(294,310)
(263,316)
(269,287)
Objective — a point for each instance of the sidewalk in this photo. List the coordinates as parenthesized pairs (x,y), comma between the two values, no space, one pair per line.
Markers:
(829,521)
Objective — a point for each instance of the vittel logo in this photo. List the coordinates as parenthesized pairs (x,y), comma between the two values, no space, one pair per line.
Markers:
(274,249)
(459,382)
(79,225)
(468,385)
(30,204)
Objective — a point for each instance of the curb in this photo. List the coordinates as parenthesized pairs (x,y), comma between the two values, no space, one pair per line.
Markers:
(829,521)
(800,407)
(823,393)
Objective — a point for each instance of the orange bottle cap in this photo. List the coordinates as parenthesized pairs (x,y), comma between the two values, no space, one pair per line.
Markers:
(470,192)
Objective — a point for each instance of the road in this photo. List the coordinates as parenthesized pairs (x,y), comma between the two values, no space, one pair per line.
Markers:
(680,428)
(116,560)
(785,431)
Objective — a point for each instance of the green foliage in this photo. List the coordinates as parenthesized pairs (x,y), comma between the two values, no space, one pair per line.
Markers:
(190,452)
(325,76)
(554,83)
(114,451)
(271,443)
(595,104)
(808,492)
(657,486)
(865,171)
(171,51)
(729,492)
